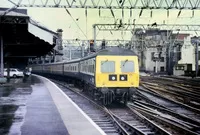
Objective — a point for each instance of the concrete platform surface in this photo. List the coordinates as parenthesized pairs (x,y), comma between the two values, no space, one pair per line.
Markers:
(75,120)
(26,108)
(42,116)
(36,106)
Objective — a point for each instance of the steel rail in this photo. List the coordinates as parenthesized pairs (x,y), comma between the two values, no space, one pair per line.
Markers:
(164,110)
(123,126)
(155,117)
(119,127)
(177,102)
(180,95)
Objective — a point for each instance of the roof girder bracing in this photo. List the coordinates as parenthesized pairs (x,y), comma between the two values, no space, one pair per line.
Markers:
(139,44)
(13,20)
(130,27)
(111,4)
(67,42)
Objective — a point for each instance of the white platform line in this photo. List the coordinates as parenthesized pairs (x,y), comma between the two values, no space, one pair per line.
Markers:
(84,114)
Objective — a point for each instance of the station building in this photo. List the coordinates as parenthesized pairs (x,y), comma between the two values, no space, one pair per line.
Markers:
(156,49)
(186,64)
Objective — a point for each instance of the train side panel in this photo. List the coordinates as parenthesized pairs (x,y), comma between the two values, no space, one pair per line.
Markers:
(87,69)
(47,68)
(37,68)
(71,69)
(57,68)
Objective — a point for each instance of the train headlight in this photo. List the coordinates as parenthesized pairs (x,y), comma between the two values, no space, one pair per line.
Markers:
(112,77)
(123,77)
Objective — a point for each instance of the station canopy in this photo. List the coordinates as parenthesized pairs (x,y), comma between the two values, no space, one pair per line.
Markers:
(23,37)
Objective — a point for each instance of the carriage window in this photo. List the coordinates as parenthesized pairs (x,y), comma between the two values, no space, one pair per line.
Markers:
(127,66)
(107,66)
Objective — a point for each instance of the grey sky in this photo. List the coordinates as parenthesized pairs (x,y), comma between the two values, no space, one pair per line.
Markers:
(54,18)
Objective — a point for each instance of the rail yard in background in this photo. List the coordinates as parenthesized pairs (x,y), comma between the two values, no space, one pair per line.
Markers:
(100,84)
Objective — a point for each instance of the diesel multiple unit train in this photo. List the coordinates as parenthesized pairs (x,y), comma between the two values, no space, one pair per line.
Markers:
(108,74)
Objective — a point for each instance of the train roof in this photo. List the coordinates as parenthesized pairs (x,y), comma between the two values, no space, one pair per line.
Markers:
(113,51)
(108,51)
(116,51)
(72,61)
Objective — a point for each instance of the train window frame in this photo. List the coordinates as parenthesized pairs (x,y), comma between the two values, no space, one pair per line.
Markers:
(91,71)
(93,68)
(106,62)
(125,62)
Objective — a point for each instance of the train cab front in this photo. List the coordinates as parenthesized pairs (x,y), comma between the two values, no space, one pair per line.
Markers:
(117,71)
(117,74)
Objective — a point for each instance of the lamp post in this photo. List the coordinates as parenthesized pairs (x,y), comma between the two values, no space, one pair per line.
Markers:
(196,58)
(196,42)
(1,42)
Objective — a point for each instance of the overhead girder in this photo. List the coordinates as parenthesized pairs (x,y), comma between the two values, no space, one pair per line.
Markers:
(111,4)
(67,42)
(13,20)
(147,43)
(130,27)
(143,44)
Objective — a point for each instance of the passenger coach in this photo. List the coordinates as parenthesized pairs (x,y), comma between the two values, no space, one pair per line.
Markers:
(107,75)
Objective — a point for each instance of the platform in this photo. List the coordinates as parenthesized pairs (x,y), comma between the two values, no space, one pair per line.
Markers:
(40,107)
(75,120)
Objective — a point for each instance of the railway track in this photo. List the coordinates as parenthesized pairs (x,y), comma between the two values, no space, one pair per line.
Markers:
(172,111)
(178,93)
(98,115)
(186,94)
(124,119)
(175,127)
(187,81)
(137,121)
(127,122)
